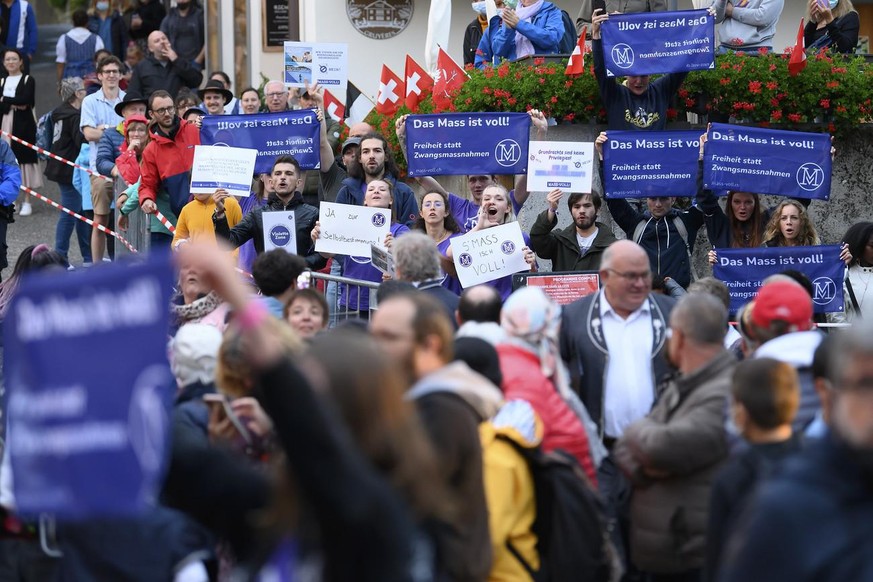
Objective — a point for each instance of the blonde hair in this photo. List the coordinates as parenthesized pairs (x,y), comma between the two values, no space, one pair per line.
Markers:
(510,215)
(843,7)
(806,235)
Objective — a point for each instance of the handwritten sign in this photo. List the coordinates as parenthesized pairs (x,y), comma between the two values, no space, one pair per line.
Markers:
(222,167)
(567,165)
(489,254)
(351,230)
(280,231)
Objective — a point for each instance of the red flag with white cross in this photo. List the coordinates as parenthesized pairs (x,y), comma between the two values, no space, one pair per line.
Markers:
(418,83)
(334,107)
(391,92)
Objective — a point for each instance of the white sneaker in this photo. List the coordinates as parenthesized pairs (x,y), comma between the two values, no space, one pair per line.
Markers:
(26,209)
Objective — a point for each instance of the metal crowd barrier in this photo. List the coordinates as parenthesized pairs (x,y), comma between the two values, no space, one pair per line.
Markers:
(354,290)
(137,232)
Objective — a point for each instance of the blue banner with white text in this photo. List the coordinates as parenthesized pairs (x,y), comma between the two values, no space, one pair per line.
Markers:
(287,133)
(743,270)
(650,43)
(640,164)
(767,161)
(89,389)
(467,143)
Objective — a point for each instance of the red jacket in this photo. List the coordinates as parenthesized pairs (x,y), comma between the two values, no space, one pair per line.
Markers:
(128,165)
(523,380)
(166,163)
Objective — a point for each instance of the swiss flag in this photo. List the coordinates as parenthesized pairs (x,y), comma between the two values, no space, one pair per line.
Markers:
(797,62)
(334,107)
(418,84)
(450,77)
(576,64)
(391,92)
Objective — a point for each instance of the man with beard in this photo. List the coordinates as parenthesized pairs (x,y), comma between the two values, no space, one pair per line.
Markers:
(579,246)
(452,401)
(814,519)
(375,162)
(167,160)
(285,179)
(673,454)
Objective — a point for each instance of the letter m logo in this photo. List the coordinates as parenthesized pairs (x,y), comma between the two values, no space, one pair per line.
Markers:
(810,176)
(622,56)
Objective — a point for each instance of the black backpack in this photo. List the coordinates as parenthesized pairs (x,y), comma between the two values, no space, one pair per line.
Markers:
(573,532)
(567,44)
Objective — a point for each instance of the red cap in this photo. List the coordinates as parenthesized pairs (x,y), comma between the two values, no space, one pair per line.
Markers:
(783,301)
(134,119)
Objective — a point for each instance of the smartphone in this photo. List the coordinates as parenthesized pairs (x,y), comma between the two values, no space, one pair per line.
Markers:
(598,5)
(222,401)
(511,4)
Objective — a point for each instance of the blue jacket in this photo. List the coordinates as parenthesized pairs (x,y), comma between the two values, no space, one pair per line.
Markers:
(108,150)
(21,35)
(545,31)
(10,174)
(405,206)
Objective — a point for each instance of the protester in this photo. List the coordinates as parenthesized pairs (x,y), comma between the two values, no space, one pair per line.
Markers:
(533,371)
(275,273)
(790,225)
(185,29)
(275,97)
(75,49)
(163,69)
(438,223)
(716,288)
(197,301)
(215,97)
(233,106)
(379,194)
(614,344)
(673,454)
(830,538)
(92,83)
(765,399)
(249,101)
(67,139)
(32,258)
(167,160)
(533,27)
(259,197)
(17,99)
(452,401)
(195,220)
(579,246)
(495,211)
(185,99)
(106,22)
(473,33)
(307,312)
(859,239)
(746,27)
(19,29)
(639,103)
(417,260)
(612,6)
(285,183)
(831,25)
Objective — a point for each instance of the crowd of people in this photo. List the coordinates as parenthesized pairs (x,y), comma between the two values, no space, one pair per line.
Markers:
(427,431)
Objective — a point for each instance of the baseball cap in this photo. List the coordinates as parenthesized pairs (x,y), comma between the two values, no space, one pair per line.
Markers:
(783,301)
(351,141)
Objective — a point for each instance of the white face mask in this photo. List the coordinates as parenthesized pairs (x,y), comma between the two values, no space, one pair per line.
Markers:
(833,3)
(479,8)
(102,6)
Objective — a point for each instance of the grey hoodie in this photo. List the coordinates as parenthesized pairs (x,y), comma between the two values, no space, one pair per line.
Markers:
(457,378)
(750,26)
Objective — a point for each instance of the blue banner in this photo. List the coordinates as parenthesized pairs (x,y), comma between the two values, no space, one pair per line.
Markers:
(639,164)
(742,270)
(89,389)
(649,43)
(767,161)
(287,133)
(467,143)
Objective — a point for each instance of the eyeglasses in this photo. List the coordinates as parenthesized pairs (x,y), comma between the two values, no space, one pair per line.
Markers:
(275,95)
(165,110)
(112,72)
(633,277)
(436,204)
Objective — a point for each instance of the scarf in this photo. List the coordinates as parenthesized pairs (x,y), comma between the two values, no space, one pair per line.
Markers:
(197,309)
(483,22)
(523,46)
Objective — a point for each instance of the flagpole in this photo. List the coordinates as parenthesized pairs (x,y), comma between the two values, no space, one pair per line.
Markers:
(439,22)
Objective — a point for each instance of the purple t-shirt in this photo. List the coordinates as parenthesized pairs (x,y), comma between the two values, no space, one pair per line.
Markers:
(360,268)
(466,211)
(504,284)
(453,284)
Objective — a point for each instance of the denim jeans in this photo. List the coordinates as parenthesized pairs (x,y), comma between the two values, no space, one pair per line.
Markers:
(71,199)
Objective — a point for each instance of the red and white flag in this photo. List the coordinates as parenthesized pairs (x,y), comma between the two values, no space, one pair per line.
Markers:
(797,62)
(576,64)
(392,92)
(418,84)
(334,107)
(449,78)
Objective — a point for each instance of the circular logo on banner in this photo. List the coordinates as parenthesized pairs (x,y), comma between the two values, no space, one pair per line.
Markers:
(465,259)
(280,235)
(507,153)
(508,247)
(379,19)
(824,290)
(378,219)
(810,176)
(623,56)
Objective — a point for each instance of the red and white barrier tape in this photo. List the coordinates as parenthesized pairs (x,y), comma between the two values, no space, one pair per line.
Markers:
(165,221)
(54,156)
(93,224)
